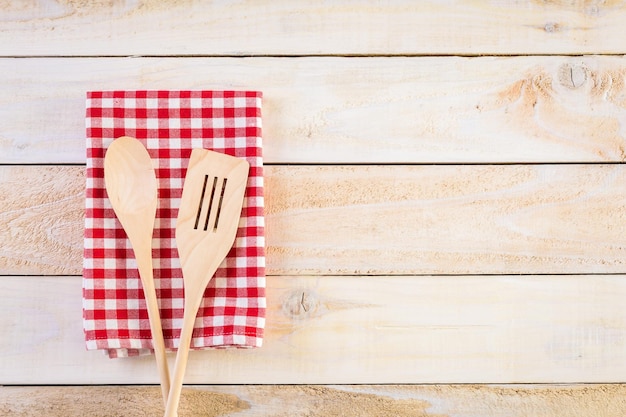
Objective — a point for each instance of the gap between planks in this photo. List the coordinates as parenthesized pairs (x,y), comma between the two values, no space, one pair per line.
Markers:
(296,56)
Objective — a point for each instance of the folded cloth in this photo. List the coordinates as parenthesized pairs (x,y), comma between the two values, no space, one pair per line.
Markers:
(170,124)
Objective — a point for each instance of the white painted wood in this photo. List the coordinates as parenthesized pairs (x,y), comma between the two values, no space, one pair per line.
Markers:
(370,110)
(329,329)
(452,219)
(348,110)
(305,27)
(351,220)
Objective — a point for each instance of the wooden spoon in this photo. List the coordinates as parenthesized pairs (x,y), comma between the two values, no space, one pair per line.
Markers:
(132,188)
(207,222)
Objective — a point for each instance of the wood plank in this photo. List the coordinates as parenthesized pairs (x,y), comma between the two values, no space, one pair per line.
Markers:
(323,401)
(454,219)
(352,220)
(332,329)
(308,27)
(348,110)
(42,219)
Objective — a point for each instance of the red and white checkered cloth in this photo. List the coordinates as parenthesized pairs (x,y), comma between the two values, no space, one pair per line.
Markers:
(170,124)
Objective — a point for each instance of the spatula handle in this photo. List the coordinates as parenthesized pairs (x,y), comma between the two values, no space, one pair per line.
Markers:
(182,355)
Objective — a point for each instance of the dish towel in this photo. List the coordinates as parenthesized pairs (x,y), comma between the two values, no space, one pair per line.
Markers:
(170,124)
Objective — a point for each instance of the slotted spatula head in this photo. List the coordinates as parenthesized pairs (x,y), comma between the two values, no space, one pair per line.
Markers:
(210,209)
(209,213)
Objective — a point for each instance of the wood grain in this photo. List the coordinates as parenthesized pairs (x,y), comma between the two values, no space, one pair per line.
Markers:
(333,330)
(352,220)
(446,219)
(348,110)
(308,27)
(42,219)
(322,401)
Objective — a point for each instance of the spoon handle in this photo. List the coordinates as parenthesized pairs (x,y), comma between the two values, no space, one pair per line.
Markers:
(192,304)
(144,264)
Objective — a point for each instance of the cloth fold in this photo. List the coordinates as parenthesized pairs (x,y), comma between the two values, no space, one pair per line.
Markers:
(170,124)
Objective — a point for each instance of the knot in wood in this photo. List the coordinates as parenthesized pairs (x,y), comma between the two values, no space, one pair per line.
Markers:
(572,76)
(552,27)
(300,304)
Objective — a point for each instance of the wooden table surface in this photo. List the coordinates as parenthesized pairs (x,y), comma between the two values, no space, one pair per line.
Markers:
(445,203)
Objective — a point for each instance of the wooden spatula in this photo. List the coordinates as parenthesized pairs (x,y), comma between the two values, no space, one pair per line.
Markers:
(206,227)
